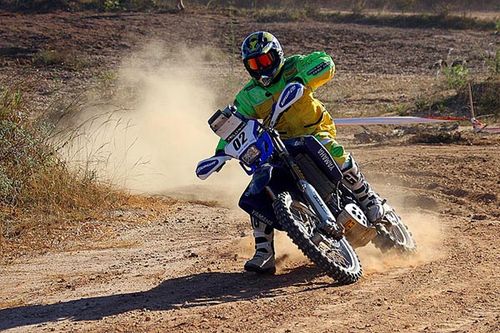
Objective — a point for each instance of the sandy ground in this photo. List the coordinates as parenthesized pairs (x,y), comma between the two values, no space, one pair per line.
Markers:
(181,269)
(183,272)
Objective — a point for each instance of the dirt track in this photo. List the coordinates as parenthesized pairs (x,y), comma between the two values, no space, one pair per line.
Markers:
(182,270)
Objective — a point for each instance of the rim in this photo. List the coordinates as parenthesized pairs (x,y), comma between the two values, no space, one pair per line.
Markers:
(336,251)
(399,233)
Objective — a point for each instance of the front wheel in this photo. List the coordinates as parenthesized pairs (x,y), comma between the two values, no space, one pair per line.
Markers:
(336,257)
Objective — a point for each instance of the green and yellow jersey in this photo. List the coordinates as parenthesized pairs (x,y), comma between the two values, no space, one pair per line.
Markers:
(308,115)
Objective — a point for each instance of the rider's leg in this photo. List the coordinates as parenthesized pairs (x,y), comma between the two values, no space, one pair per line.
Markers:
(263,259)
(260,209)
(370,201)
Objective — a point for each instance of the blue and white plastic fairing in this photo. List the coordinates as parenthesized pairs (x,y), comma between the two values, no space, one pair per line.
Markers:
(246,140)
(292,93)
(210,165)
(250,140)
(248,143)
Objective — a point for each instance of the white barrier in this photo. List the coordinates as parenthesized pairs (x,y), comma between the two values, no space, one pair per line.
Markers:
(401,120)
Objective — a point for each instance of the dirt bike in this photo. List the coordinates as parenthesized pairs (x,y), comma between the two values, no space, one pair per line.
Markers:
(297,187)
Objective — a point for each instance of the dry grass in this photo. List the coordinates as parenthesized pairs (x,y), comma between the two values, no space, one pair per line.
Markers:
(436,136)
(59,58)
(39,194)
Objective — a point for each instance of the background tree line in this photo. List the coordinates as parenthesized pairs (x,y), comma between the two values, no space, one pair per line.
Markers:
(357,6)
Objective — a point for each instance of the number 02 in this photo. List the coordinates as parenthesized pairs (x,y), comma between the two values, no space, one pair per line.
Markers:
(239,141)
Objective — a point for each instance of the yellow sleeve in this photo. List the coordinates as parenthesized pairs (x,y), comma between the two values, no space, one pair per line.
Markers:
(316,69)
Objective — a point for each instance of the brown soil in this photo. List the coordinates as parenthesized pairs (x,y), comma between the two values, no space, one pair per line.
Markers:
(180,268)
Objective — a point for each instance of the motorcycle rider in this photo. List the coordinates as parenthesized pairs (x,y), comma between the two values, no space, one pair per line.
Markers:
(264,60)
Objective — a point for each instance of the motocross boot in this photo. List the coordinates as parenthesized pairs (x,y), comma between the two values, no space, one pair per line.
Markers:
(371,203)
(263,259)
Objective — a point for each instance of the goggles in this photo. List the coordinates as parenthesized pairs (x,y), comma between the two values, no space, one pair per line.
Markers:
(262,61)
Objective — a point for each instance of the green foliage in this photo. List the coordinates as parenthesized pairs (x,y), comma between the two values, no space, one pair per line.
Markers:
(484,95)
(112,5)
(456,76)
(7,186)
(422,104)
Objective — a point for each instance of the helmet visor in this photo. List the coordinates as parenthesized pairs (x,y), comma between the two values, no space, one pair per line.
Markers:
(260,62)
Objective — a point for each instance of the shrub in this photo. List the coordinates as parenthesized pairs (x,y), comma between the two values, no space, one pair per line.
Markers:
(493,61)
(112,5)
(456,76)
(39,194)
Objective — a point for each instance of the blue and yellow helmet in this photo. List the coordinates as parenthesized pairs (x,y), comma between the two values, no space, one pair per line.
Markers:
(263,56)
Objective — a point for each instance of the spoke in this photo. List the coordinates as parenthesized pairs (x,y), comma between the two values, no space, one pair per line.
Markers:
(333,252)
(307,220)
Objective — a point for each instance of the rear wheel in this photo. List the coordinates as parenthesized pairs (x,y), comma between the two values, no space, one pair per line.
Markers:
(336,257)
(393,234)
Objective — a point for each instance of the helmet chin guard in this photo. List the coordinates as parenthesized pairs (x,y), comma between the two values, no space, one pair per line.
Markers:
(262,56)
(265,80)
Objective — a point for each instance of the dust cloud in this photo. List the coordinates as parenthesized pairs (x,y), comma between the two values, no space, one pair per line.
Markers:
(427,232)
(417,214)
(425,228)
(287,253)
(150,134)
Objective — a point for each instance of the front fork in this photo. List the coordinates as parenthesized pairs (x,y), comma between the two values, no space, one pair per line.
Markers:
(328,224)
